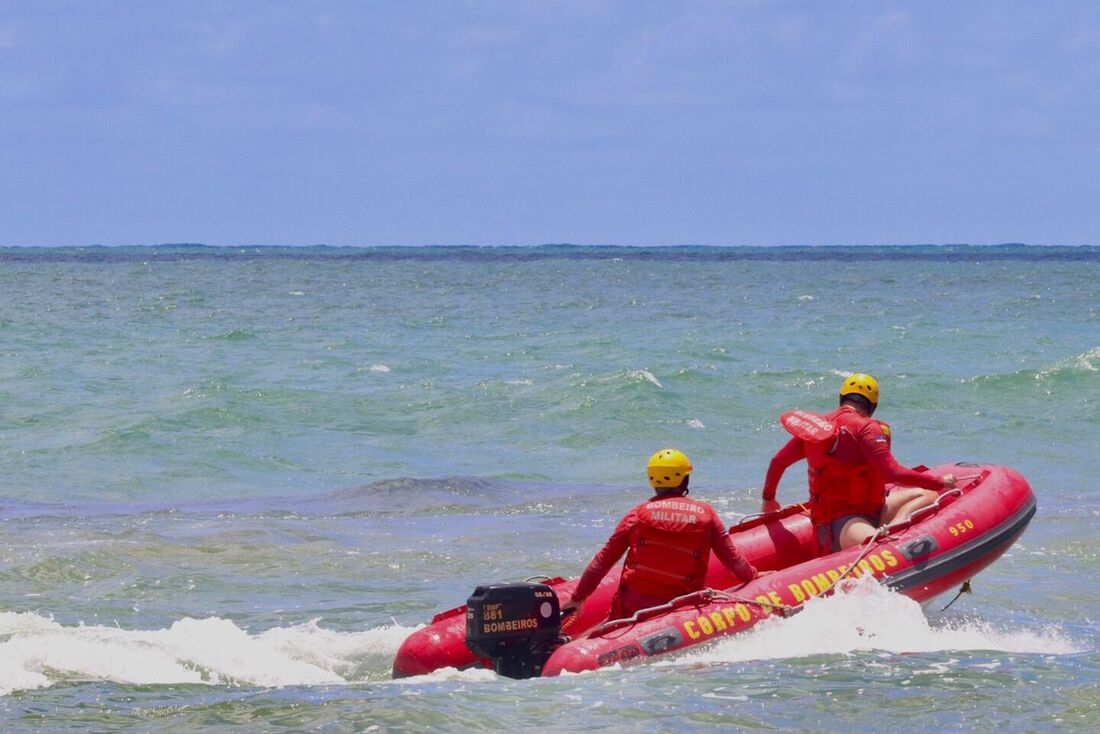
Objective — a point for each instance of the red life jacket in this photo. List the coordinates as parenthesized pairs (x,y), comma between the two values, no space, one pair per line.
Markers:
(837,487)
(669,554)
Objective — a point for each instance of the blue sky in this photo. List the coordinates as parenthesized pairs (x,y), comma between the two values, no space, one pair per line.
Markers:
(371,123)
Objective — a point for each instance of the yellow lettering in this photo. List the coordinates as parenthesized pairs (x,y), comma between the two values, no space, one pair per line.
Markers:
(891,561)
(719,623)
(689,627)
(809,587)
(877,562)
(743,612)
(833,575)
(704,624)
(796,591)
(774,598)
(866,567)
(821,583)
(731,616)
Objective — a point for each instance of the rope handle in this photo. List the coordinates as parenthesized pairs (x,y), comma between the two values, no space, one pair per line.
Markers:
(703,596)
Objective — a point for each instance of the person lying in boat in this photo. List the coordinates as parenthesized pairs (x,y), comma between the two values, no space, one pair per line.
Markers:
(667,540)
(849,463)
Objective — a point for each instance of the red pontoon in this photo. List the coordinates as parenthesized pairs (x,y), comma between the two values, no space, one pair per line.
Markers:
(936,549)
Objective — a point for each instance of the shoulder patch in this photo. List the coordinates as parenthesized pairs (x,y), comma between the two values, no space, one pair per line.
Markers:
(885,428)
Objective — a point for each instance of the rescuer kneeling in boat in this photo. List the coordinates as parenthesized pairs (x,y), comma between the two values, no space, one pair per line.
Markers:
(849,462)
(667,540)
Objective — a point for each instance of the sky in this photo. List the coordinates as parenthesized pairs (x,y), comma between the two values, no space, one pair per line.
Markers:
(523,122)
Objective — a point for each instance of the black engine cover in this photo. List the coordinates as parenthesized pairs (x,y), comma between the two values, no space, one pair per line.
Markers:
(517,626)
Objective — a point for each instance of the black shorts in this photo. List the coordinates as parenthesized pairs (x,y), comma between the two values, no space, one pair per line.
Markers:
(828,534)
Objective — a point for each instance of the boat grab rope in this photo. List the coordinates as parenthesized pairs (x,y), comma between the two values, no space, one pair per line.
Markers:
(885,530)
(785,610)
(880,533)
(705,596)
(789,610)
(930,508)
(802,508)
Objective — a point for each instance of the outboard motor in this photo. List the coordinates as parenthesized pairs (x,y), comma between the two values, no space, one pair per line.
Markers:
(516,626)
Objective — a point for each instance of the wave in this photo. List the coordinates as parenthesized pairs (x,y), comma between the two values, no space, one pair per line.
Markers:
(37,652)
(870,617)
(401,496)
(1085,365)
(235,335)
(406,495)
(618,380)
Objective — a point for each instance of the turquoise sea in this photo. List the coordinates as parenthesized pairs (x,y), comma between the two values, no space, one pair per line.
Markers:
(232,480)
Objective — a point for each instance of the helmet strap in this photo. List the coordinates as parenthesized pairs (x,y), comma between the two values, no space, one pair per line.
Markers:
(680,491)
(859,402)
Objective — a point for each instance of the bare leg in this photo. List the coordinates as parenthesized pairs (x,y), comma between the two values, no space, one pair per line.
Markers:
(901,503)
(855,531)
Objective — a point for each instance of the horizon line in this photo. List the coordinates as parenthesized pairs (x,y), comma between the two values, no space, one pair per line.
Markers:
(539,245)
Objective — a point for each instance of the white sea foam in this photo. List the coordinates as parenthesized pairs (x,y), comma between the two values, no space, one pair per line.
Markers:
(379,368)
(1085,362)
(639,375)
(696,423)
(871,617)
(36,651)
(1088,361)
(450,674)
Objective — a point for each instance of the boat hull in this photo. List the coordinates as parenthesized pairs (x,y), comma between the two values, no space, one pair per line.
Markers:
(938,550)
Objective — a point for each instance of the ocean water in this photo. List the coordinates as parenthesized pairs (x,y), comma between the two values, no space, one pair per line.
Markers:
(234,479)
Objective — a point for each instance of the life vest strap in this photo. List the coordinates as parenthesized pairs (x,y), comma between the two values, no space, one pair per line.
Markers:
(691,551)
(662,572)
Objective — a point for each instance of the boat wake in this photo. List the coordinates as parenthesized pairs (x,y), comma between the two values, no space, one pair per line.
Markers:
(36,652)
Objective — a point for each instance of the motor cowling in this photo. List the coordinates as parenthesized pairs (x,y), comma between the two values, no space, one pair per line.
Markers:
(516,626)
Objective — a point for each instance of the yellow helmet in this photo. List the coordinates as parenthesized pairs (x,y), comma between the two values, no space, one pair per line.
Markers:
(668,468)
(860,384)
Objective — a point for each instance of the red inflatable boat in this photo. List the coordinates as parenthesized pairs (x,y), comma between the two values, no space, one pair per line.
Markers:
(516,628)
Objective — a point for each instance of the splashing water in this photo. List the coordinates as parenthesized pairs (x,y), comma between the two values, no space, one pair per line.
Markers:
(36,652)
(868,617)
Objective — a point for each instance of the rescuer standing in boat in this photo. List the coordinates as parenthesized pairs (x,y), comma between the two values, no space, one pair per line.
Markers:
(667,540)
(849,463)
